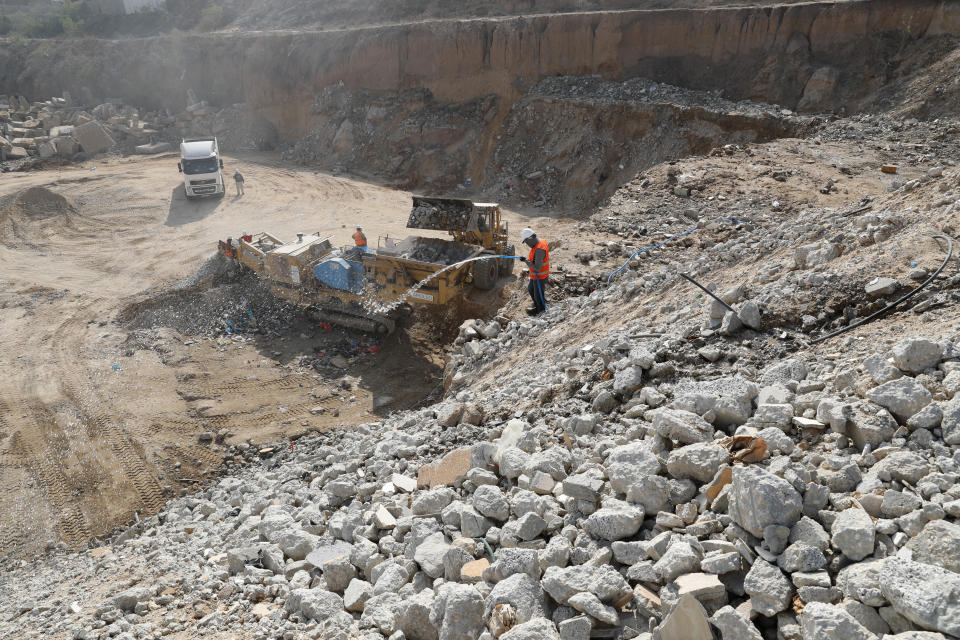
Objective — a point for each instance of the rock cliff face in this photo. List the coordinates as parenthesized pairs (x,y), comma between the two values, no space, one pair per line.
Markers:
(839,52)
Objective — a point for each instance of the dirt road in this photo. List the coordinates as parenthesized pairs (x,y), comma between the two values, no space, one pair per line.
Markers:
(100,420)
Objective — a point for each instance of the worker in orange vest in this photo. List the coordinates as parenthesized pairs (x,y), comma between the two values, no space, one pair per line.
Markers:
(539,264)
(358,238)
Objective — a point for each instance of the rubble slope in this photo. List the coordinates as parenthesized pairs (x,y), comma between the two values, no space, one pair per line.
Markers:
(638,460)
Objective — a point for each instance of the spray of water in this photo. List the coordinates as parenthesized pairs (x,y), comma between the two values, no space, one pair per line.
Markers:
(373,305)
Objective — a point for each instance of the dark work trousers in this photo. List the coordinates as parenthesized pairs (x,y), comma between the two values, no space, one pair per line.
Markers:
(538,293)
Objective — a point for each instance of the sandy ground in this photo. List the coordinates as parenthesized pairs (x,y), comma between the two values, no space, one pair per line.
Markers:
(96,426)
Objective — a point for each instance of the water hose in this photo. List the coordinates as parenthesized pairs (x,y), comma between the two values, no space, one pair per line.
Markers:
(488,547)
(660,244)
(897,302)
(653,246)
(708,292)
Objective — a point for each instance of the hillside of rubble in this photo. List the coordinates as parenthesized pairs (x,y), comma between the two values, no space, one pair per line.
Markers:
(639,460)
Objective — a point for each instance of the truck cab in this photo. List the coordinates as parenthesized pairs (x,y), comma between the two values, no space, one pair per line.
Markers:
(201,166)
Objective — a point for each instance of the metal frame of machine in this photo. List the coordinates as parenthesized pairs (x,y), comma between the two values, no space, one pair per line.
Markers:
(290,267)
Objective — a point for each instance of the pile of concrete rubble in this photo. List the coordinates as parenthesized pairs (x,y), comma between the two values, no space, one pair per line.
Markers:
(428,215)
(575,498)
(59,129)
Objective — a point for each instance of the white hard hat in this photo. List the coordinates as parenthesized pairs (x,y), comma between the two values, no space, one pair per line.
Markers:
(359,228)
(526,233)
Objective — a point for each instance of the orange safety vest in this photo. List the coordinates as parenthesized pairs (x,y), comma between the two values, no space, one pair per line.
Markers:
(545,271)
(360,239)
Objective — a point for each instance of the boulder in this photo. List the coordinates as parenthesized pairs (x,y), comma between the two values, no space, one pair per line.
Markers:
(614,523)
(316,604)
(879,287)
(770,591)
(903,465)
(759,498)
(627,380)
(625,463)
(914,355)
(733,625)
(129,599)
(430,554)
(938,544)
(784,371)
(698,462)
(584,486)
(413,617)
(457,612)
(490,501)
(356,595)
(681,426)
(521,592)
(687,621)
(679,558)
(853,533)
(589,604)
(93,138)
(603,582)
(950,423)
(861,581)
(749,315)
(511,561)
(821,620)
(903,397)
(927,595)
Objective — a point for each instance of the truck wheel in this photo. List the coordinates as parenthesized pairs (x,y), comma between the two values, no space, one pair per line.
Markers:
(485,273)
(505,266)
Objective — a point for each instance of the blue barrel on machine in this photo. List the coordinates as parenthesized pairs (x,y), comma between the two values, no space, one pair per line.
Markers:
(341,274)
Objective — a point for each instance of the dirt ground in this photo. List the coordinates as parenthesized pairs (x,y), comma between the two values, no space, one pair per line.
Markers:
(101,420)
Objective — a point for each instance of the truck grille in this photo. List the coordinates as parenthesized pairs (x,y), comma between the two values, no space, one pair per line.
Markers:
(196,182)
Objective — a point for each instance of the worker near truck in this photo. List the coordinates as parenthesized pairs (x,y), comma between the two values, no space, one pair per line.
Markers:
(538,262)
(238,178)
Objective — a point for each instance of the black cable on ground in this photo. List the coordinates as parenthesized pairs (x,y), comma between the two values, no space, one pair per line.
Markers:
(708,292)
(895,303)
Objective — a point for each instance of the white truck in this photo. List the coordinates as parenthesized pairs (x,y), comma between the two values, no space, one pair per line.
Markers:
(201,165)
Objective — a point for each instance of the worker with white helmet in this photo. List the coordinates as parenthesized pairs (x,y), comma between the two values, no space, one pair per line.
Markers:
(539,264)
(358,238)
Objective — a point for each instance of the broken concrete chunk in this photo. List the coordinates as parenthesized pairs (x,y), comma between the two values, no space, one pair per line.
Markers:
(93,138)
(614,523)
(759,498)
(603,582)
(914,355)
(687,621)
(769,590)
(879,287)
(927,595)
(903,397)
(452,467)
(821,620)
(733,625)
(938,544)
(853,533)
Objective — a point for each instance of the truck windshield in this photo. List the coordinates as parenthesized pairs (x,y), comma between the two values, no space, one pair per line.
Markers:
(206,165)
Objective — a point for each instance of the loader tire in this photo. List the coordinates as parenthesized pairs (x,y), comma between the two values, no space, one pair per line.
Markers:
(505,265)
(485,273)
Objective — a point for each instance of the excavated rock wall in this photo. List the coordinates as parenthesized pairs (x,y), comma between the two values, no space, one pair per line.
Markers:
(840,51)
